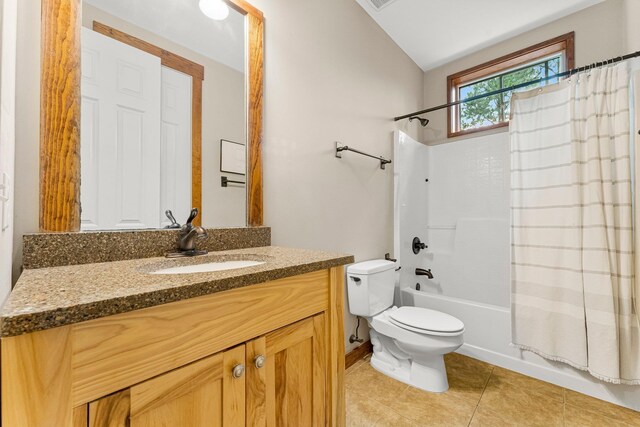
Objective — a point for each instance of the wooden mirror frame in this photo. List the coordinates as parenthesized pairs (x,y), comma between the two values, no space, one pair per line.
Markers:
(60,113)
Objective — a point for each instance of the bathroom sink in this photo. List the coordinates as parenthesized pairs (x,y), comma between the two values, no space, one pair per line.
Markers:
(208,267)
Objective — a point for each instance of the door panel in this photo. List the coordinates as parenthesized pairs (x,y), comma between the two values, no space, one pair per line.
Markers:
(120,134)
(175,137)
(295,375)
(202,394)
(129,168)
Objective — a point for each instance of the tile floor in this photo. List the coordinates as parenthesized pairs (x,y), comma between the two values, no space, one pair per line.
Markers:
(479,395)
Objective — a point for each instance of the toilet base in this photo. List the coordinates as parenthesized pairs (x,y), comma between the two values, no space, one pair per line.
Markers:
(429,375)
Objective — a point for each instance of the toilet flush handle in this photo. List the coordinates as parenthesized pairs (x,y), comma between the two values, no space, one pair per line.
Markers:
(356,279)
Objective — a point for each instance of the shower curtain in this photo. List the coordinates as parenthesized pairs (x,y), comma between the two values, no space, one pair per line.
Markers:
(572,225)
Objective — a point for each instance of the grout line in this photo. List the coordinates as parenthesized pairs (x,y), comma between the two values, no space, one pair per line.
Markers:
(564,406)
(482,394)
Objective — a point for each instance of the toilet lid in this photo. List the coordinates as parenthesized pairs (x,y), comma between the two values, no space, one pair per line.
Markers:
(425,320)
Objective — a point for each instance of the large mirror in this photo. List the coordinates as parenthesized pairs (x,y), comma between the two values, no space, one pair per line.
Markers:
(162,100)
(150,106)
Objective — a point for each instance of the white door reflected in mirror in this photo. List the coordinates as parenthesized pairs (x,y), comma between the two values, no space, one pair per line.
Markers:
(120,129)
(162,86)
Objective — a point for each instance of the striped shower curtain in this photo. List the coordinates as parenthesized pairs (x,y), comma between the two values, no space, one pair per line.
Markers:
(572,225)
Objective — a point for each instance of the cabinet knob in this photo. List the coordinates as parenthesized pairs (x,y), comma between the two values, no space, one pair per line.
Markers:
(259,361)
(237,371)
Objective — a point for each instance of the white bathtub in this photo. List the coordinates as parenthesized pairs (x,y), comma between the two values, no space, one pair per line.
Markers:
(487,337)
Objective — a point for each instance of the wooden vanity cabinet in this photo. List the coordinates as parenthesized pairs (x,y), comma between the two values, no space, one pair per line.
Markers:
(203,393)
(270,354)
(277,379)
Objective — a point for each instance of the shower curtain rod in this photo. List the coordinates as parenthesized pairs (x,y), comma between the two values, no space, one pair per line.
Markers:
(521,85)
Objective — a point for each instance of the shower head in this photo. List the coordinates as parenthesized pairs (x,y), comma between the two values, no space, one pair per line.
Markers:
(423,122)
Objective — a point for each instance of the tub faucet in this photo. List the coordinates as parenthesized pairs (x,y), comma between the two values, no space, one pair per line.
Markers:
(423,272)
(188,235)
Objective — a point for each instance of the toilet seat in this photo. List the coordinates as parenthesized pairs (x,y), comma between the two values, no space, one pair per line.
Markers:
(425,321)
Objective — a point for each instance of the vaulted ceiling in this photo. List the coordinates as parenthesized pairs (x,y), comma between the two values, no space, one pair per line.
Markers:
(434,32)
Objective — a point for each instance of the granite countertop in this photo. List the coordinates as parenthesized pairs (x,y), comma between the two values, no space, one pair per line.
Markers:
(46,298)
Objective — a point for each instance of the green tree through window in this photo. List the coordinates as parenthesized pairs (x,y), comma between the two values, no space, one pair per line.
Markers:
(495,109)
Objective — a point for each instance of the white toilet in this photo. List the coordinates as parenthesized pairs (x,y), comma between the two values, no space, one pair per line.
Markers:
(409,343)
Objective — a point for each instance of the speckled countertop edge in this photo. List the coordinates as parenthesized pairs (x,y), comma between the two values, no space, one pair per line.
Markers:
(57,296)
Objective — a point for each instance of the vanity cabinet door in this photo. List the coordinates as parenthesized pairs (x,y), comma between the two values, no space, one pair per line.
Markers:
(289,389)
(209,392)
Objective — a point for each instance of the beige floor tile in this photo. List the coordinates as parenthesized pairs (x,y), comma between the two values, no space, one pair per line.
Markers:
(467,377)
(521,402)
(393,419)
(578,403)
(530,384)
(487,418)
(506,398)
(377,387)
(575,416)
(362,411)
(433,409)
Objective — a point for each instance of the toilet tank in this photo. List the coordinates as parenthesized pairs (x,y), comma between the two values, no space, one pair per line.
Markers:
(370,286)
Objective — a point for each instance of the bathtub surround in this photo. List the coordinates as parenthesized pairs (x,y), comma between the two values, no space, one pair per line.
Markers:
(461,213)
(56,249)
(572,225)
(466,225)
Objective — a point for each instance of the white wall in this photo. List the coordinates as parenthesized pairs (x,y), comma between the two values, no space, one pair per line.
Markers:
(632,14)
(331,75)
(27,127)
(8,19)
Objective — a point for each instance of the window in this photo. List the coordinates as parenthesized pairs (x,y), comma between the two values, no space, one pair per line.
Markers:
(540,61)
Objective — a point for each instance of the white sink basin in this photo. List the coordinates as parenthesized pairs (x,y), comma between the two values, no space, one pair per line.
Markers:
(208,267)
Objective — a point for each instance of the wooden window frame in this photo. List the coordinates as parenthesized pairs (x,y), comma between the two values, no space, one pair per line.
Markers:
(60,113)
(563,43)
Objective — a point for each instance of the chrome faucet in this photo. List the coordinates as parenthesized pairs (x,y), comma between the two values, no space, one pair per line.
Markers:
(188,235)
(423,272)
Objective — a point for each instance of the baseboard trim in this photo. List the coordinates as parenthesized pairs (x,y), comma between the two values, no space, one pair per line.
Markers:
(357,353)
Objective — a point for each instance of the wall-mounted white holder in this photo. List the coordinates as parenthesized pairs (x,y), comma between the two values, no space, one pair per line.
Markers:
(4,199)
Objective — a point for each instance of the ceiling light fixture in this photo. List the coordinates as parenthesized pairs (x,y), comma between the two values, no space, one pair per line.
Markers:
(214,9)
